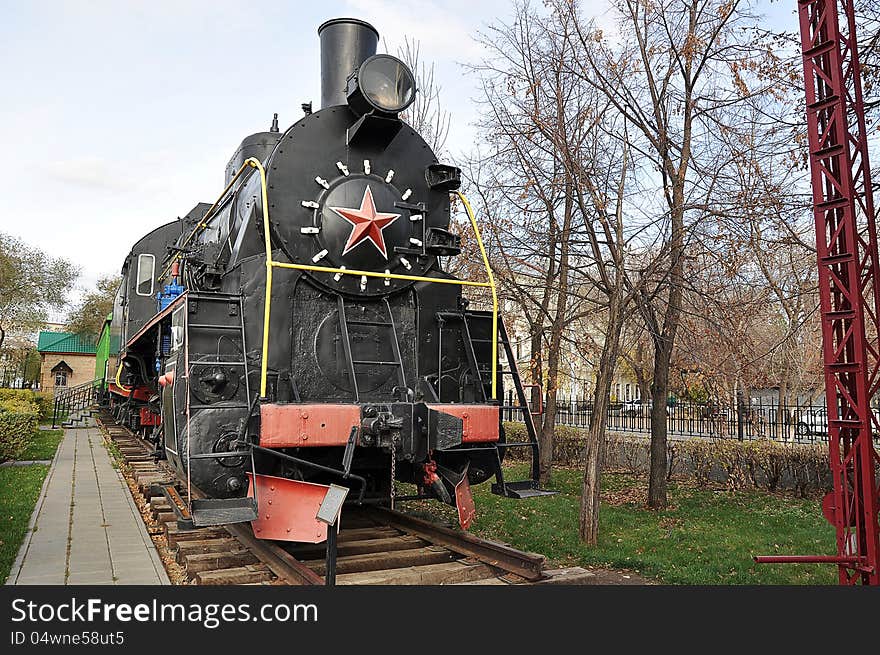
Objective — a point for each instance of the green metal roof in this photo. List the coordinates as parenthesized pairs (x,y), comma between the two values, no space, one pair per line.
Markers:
(64,342)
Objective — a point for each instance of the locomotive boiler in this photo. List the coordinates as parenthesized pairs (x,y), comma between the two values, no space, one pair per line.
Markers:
(302,331)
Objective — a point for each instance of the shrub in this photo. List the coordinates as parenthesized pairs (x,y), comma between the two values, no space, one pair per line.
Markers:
(632,455)
(18,426)
(16,394)
(613,444)
(44,400)
(738,464)
(699,455)
(808,467)
(733,458)
(672,459)
(770,460)
(568,444)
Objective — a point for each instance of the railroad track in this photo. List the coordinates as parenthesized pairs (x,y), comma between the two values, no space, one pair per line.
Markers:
(375,545)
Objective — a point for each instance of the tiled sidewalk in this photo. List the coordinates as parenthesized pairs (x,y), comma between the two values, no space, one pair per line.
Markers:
(86,528)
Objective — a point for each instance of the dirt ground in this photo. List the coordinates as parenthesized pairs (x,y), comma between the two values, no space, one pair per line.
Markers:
(612,577)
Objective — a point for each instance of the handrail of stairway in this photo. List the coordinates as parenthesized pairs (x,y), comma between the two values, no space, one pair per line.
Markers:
(75,398)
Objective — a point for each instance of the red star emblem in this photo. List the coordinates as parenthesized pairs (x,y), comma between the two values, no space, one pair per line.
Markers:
(366,223)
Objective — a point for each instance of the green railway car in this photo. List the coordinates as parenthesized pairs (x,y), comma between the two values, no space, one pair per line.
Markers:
(106,349)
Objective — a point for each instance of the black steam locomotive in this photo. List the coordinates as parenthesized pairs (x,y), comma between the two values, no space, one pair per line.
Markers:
(301,330)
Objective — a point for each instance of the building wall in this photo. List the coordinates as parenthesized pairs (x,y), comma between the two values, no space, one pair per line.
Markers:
(577,377)
(83,369)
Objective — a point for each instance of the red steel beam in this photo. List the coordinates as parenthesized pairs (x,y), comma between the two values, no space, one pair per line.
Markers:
(805,559)
(846,244)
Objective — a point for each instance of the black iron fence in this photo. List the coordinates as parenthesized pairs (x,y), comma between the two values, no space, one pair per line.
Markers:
(751,420)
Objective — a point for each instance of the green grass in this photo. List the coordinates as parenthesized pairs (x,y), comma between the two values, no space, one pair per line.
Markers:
(19,490)
(58,419)
(705,537)
(43,446)
(115,453)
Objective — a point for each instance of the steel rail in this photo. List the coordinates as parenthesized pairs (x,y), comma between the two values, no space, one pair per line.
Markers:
(528,565)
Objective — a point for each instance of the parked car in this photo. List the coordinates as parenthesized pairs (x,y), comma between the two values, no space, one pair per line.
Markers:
(635,408)
(638,407)
(811,421)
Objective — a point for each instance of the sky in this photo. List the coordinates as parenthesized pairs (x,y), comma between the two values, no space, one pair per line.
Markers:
(118,116)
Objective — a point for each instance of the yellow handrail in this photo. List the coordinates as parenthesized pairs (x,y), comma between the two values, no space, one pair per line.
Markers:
(118,383)
(270,264)
(491,285)
(267,300)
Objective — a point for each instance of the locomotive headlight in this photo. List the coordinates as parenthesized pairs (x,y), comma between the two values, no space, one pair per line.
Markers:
(382,83)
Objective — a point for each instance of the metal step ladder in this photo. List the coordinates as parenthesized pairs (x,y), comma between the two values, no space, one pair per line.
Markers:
(355,364)
(483,366)
(468,341)
(219,511)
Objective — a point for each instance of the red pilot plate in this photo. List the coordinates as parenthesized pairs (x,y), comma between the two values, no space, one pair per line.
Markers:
(287,509)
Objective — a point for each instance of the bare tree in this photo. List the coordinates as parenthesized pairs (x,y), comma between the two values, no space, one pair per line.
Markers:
(87,318)
(669,73)
(525,176)
(636,353)
(426,114)
(761,241)
(554,166)
(610,171)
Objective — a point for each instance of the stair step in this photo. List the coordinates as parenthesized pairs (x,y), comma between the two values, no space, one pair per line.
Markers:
(837,259)
(219,511)
(501,341)
(842,315)
(521,489)
(833,203)
(829,151)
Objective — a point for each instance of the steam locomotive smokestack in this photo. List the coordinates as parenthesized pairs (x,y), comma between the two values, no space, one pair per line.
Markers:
(345,44)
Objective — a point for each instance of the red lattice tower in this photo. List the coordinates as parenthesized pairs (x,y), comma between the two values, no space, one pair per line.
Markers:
(849,293)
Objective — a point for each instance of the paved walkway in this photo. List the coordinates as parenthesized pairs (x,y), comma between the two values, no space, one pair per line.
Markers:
(86,528)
